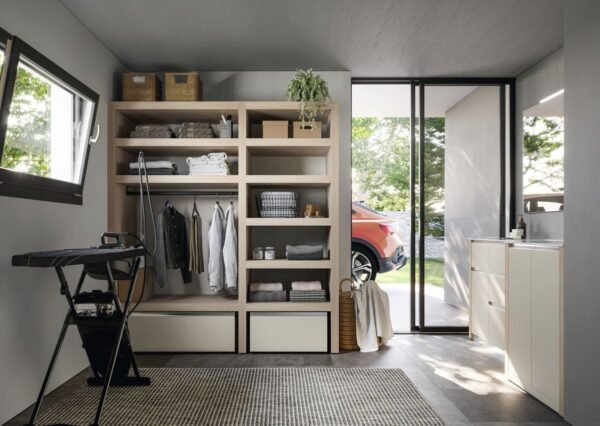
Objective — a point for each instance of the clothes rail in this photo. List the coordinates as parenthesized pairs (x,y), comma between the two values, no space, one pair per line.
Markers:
(186,193)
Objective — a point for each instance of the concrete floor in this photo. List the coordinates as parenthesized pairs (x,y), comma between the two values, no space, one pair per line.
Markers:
(437,312)
(462,380)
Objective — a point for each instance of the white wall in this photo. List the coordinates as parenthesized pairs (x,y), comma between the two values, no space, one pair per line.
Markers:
(472,179)
(31,308)
(539,81)
(582,191)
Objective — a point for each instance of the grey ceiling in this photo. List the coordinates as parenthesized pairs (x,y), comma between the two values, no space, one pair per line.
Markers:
(368,37)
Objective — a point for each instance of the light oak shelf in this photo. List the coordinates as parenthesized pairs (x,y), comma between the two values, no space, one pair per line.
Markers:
(296,221)
(305,181)
(189,303)
(181,181)
(288,264)
(178,146)
(289,306)
(288,147)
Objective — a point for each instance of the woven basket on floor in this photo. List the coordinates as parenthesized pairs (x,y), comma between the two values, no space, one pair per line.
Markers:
(347,319)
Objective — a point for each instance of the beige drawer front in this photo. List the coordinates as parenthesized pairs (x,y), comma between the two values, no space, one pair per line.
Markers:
(206,332)
(288,332)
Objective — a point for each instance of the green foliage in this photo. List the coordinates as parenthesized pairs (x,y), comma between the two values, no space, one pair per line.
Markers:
(542,153)
(311,91)
(381,166)
(27,144)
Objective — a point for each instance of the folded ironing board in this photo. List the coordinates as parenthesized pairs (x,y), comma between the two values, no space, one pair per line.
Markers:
(104,333)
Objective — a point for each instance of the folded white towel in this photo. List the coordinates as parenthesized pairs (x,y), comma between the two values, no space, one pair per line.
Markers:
(306,285)
(217,156)
(213,158)
(210,173)
(221,166)
(266,287)
(153,165)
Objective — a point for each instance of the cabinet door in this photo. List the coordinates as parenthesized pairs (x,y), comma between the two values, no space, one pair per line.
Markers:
(479,256)
(479,299)
(545,378)
(518,354)
(496,258)
(496,327)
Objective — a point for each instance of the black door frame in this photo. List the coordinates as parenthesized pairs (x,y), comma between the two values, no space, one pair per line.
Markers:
(503,84)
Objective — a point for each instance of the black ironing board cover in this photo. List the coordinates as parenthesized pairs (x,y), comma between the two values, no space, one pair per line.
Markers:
(79,256)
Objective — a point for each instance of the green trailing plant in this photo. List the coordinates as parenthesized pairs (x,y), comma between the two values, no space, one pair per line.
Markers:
(311,91)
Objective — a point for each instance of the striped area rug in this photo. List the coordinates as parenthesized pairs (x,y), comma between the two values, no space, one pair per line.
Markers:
(253,396)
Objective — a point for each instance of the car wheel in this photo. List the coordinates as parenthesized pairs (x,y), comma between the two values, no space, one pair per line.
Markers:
(363,265)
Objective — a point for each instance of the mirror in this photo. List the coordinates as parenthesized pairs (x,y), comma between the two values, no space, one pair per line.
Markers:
(543,155)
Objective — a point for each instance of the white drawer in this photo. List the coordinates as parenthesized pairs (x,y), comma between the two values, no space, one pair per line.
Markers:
(496,259)
(288,332)
(161,332)
(480,256)
(496,290)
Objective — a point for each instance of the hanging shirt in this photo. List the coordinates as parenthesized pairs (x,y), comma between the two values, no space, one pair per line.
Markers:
(171,245)
(216,273)
(196,262)
(230,250)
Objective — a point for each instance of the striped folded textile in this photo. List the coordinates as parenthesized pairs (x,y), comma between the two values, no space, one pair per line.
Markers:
(308,296)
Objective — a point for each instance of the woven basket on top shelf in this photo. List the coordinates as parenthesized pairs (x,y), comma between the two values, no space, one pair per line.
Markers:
(347,319)
(183,86)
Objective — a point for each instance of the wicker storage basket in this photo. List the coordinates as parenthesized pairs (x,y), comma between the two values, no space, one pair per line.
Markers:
(347,319)
(141,87)
(183,86)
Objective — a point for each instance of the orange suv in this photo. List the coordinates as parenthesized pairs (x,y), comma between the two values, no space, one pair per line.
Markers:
(376,243)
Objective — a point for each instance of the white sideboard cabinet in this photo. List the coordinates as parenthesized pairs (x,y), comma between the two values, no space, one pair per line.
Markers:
(487,282)
(534,327)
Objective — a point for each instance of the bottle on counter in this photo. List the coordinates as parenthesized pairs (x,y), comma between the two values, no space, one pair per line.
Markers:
(522,225)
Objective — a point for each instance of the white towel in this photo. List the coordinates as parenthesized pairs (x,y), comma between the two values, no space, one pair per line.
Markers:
(372,307)
(230,251)
(306,285)
(213,158)
(266,287)
(153,165)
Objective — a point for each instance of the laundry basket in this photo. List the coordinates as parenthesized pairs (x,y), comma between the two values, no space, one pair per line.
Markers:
(347,317)
(278,204)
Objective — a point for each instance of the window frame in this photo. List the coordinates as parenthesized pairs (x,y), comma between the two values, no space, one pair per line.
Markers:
(24,185)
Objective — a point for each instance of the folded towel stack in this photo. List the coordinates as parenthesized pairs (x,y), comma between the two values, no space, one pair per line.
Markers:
(304,252)
(267,292)
(152,131)
(308,296)
(215,163)
(307,291)
(155,168)
(278,204)
(195,130)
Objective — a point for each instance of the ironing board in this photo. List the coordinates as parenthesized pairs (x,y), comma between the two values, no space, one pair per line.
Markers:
(105,337)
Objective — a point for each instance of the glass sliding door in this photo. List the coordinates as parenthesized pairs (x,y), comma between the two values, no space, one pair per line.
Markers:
(462,193)
(381,193)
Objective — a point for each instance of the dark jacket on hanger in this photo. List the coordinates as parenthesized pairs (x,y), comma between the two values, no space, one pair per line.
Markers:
(172,250)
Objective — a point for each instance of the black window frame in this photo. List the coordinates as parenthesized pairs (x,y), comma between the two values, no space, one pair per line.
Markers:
(24,185)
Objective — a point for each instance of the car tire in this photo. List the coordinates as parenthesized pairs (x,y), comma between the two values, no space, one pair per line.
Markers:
(363,264)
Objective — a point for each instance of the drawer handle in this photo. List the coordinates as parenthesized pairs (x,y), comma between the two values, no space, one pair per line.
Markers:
(490,303)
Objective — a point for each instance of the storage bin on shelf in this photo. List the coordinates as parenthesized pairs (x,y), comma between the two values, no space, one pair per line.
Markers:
(183,86)
(278,204)
(139,87)
(275,129)
(307,130)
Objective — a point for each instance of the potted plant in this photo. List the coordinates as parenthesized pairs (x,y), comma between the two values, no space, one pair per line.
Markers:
(311,91)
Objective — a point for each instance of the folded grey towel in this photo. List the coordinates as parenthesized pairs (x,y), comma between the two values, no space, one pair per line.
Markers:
(267,296)
(304,252)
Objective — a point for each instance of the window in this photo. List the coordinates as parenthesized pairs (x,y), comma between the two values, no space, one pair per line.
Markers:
(543,155)
(45,126)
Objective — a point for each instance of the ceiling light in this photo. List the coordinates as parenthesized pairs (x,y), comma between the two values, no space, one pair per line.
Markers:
(552,96)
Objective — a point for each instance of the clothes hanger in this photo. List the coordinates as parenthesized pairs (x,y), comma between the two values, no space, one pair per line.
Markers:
(195,211)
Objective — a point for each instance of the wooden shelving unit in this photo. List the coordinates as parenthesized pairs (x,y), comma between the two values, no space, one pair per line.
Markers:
(122,209)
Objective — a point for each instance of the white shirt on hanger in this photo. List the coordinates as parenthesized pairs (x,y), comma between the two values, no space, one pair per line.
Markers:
(216,272)
(230,250)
